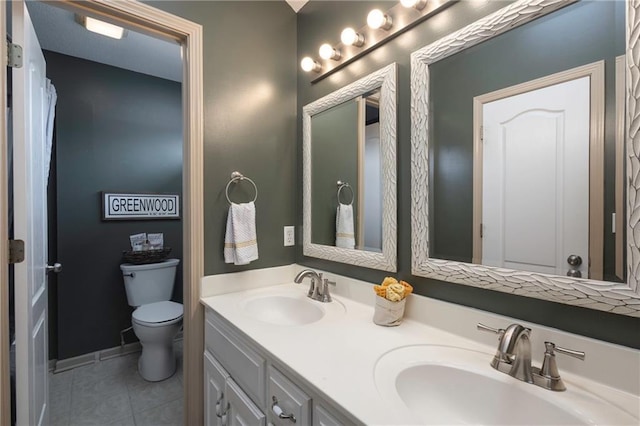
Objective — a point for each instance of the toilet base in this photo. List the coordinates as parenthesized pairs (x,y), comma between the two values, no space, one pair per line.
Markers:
(157,362)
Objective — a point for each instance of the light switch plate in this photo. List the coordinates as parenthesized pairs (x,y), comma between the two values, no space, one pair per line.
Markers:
(289,236)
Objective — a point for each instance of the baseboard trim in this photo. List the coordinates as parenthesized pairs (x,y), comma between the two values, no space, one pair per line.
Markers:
(93,357)
(58,366)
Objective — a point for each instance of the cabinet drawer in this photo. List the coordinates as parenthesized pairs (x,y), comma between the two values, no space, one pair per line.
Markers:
(243,363)
(242,411)
(290,398)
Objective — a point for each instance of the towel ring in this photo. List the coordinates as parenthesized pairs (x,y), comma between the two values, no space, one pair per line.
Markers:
(341,186)
(235,177)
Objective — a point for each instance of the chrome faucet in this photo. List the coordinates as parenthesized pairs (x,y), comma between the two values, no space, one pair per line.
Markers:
(514,353)
(315,277)
(318,289)
(513,357)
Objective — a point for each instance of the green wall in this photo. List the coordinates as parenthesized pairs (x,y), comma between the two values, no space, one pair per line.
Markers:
(322,21)
(116,130)
(249,119)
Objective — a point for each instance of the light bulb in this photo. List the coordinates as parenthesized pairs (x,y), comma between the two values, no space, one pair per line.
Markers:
(350,37)
(103,28)
(418,4)
(377,19)
(328,52)
(308,64)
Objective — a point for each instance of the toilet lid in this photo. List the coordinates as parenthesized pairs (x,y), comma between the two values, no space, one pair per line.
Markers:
(158,312)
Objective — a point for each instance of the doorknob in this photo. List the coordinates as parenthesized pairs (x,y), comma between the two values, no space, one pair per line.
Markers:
(57,267)
(574,260)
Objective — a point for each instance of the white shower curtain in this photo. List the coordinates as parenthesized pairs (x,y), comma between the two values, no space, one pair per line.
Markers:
(50,110)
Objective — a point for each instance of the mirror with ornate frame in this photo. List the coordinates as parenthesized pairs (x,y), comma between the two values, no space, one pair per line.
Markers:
(616,297)
(349,173)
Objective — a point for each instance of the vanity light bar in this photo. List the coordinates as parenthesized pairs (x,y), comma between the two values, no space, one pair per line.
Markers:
(382,27)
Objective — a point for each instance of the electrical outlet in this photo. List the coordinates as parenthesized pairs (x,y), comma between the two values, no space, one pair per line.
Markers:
(289,236)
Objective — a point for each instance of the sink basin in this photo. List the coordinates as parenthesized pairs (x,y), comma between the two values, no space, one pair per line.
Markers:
(287,309)
(450,385)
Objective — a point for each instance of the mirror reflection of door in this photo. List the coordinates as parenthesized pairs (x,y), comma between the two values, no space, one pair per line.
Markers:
(334,157)
(346,148)
(537,151)
(371,180)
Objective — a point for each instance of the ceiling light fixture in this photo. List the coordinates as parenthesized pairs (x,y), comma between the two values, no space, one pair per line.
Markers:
(328,52)
(308,64)
(103,28)
(417,4)
(350,37)
(377,19)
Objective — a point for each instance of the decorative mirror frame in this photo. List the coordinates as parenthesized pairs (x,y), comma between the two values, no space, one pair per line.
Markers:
(612,297)
(386,79)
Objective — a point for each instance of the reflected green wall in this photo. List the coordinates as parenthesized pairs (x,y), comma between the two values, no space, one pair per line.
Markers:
(334,156)
(322,21)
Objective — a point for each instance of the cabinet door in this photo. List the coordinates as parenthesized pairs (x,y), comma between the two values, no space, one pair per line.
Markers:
(214,382)
(289,398)
(242,411)
(324,417)
(243,363)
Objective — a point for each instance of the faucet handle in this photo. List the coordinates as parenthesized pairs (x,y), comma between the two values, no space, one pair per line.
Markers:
(549,367)
(326,295)
(551,347)
(549,376)
(571,352)
(498,331)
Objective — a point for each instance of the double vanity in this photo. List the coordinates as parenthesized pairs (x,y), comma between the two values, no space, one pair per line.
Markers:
(272,355)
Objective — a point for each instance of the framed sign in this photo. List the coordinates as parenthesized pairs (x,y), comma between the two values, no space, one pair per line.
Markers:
(121,206)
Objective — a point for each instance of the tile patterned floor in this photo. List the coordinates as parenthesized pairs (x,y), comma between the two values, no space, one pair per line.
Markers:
(112,392)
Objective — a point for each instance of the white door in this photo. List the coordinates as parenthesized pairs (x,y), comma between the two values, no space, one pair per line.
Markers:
(535,192)
(30,209)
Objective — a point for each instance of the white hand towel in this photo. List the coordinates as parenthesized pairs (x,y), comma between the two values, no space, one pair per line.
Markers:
(240,241)
(345,236)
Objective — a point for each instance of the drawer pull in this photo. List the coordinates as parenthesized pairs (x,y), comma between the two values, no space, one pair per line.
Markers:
(278,411)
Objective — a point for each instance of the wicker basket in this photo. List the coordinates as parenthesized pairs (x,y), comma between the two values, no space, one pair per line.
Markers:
(147,256)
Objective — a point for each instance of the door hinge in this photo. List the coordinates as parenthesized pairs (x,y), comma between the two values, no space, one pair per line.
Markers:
(481,232)
(16,251)
(481,133)
(14,55)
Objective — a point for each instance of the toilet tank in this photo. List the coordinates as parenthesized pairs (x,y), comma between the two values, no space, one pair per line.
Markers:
(149,283)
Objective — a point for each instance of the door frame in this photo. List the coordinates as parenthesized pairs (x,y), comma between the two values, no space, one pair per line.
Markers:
(595,71)
(155,22)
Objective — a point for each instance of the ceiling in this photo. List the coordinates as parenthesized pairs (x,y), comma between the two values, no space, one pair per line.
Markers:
(59,32)
(296,5)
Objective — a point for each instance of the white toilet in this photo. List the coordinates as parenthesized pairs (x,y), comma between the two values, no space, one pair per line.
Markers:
(157,319)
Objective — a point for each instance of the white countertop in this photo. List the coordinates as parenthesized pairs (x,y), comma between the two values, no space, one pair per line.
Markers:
(337,355)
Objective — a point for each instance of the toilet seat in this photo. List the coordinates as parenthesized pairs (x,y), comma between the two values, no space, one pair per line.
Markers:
(158,314)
